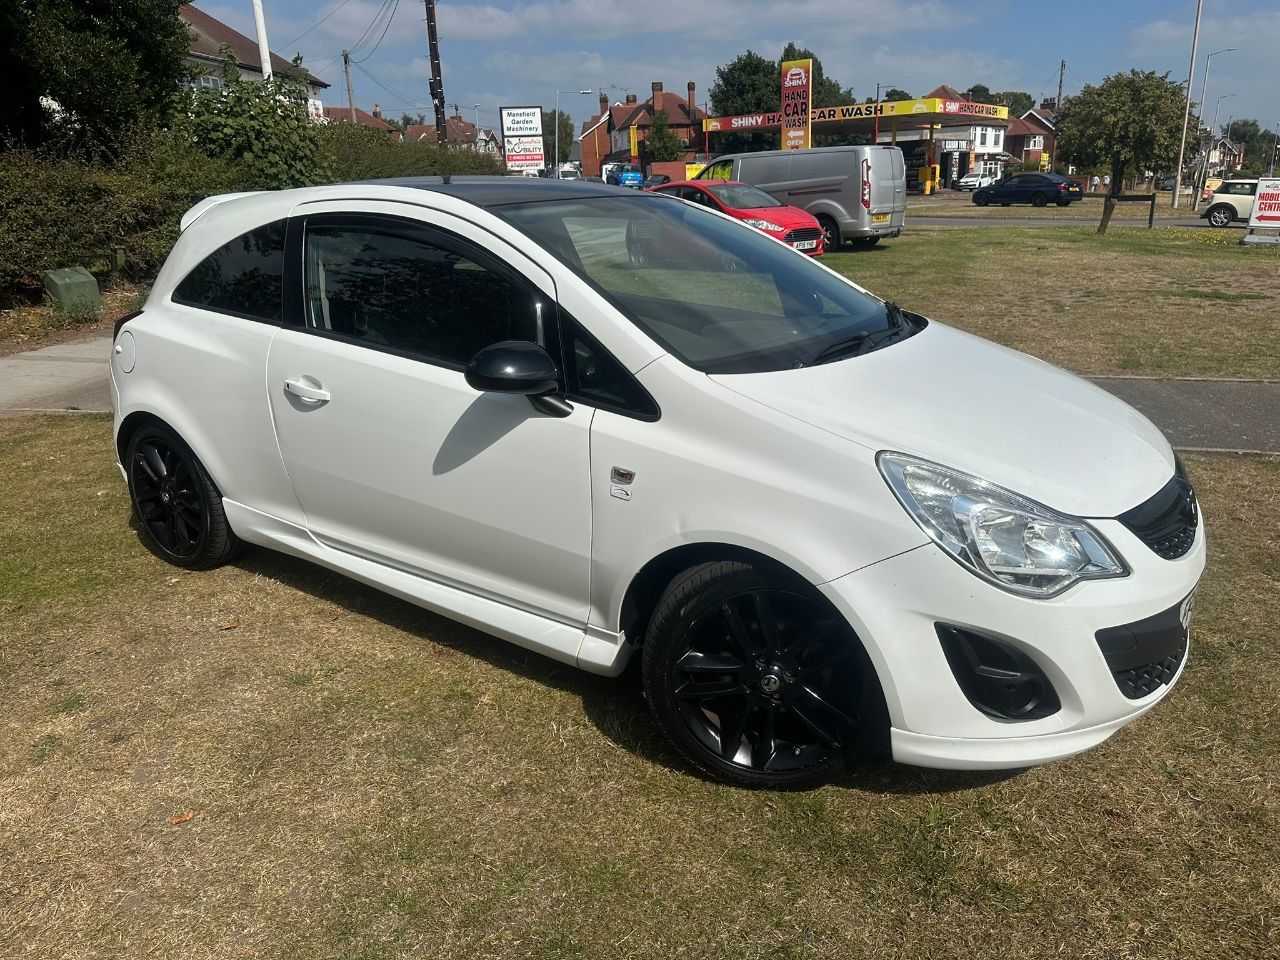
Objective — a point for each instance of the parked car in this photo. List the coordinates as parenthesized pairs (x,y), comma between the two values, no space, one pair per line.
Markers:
(793,226)
(1037,189)
(974,179)
(570,173)
(656,180)
(598,423)
(1231,202)
(626,175)
(857,193)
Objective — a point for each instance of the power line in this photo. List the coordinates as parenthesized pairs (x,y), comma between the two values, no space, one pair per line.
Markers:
(385,28)
(316,24)
(390,89)
(373,25)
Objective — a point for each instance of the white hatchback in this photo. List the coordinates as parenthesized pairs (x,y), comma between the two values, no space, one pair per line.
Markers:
(597,422)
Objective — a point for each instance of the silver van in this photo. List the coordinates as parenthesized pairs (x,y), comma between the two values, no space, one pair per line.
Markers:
(857,193)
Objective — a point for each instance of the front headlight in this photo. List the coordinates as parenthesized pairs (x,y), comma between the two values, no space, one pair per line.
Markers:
(764,225)
(1015,543)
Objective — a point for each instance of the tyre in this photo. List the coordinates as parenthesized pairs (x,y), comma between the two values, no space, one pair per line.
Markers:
(831,238)
(1064,203)
(1221,215)
(981,199)
(1039,200)
(179,510)
(757,680)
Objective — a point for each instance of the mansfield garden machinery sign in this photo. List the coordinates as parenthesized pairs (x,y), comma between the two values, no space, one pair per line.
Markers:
(522,138)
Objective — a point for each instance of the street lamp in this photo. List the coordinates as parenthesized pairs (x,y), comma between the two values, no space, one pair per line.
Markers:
(555,118)
(1204,86)
(877,109)
(1213,135)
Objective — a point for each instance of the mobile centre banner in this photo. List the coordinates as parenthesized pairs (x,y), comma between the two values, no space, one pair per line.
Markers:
(1266,205)
(522,138)
(797,124)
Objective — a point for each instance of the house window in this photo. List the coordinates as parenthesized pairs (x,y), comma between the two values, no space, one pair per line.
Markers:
(982,136)
(210,80)
(998,134)
(1036,143)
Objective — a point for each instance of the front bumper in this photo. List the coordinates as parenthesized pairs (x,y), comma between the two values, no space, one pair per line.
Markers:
(895,606)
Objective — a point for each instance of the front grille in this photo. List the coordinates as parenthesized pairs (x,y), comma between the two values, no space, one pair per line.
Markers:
(1140,681)
(1167,522)
(803,233)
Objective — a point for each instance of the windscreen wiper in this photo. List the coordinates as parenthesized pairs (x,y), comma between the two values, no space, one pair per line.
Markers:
(859,343)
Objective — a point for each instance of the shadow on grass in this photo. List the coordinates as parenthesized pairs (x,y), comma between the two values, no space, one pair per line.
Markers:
(615,706)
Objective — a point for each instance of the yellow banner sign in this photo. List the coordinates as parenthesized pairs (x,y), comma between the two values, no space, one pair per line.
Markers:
(797,123)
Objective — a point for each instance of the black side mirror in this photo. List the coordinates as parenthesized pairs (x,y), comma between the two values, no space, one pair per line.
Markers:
(518,366)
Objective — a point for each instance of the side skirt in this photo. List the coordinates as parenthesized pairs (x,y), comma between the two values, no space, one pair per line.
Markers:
(591,649)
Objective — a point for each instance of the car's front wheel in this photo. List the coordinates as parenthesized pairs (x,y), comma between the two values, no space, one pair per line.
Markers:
(1221,215)
(179,510)
(981,199)
(757,680)
(831,239)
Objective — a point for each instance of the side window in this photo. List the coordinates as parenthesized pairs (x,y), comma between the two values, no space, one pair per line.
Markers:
(718,171)
(244,278)
(406,288)
(594,377)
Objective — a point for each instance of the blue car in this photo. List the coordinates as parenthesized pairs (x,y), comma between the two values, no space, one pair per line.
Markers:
(1037,189)
(627,176)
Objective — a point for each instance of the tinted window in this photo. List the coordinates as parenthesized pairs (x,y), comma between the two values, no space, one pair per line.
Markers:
(405,288)
(244,278)
(595,377)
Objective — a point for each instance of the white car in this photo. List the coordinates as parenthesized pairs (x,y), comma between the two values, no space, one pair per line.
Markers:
(600,424)
(974,180)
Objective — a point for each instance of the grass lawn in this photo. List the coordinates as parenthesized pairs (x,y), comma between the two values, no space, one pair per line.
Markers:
(1164,302)
(271,761)
(1089,209)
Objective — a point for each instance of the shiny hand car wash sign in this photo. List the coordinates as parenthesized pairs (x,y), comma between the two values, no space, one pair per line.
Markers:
(797,125)
(522,138)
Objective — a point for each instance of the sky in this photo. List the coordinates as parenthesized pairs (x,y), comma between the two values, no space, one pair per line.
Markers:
(519,52)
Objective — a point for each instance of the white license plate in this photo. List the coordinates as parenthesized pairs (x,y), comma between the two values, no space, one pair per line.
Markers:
(806,244)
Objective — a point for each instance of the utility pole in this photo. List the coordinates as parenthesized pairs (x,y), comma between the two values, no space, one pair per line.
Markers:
(1186,116)
(437,84)
(477,125)
(264,51)
(1057,106)
(351,97)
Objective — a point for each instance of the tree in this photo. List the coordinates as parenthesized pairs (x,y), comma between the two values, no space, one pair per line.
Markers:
(746,84)
(549,118)
(1017,101)
(408,120)
(662,143)
(261,125)
(979,93)
(823,91)
(107,66)
(1129,122)
(895,93)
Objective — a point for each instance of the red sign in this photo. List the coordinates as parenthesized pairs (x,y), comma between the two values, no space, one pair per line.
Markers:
(1266,205)
(797,123)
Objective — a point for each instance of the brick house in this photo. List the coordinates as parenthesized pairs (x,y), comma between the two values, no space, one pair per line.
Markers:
(606,137)
(363,118)
(458,132)
(1030,137)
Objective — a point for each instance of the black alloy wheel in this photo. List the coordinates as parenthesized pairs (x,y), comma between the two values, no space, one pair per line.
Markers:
(1039,200)
(179,511)
(981,199)
(830,234)
(757,679)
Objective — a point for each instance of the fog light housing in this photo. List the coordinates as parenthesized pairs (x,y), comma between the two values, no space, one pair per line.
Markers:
(997,677)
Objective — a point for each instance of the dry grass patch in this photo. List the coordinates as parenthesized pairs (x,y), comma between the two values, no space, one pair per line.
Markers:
(26,327)
(353,777)
(1161,303)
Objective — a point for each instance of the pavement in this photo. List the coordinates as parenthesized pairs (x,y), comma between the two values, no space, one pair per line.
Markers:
(1236,416)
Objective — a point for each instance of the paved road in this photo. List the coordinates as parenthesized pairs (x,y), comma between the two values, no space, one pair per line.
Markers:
(67,376)
(1194,414)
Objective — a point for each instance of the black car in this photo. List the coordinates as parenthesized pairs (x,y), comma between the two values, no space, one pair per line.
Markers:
(1037,189)
(656,180)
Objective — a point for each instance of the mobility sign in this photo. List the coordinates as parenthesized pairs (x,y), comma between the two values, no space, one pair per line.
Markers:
(797,124)
(1266,212)
(522,138)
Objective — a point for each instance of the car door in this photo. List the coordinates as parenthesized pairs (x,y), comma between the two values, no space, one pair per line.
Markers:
(392,455)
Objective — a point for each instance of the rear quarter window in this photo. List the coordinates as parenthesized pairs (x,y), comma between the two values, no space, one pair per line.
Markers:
(244,278)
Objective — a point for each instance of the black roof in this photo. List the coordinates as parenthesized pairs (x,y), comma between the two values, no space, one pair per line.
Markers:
(499,191)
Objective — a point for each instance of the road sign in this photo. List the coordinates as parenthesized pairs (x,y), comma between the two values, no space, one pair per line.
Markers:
(1266,212)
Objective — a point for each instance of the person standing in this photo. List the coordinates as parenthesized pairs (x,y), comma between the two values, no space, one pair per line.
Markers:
(1106,183)
(1093,183)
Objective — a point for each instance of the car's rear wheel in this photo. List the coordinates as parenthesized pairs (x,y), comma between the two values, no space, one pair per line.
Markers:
(981,199)
(1039,200)
(1221,215)
(831,239)
(757,680)
(179,510)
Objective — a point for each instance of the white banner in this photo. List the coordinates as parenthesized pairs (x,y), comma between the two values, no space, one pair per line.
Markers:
(524,153)
(521,121)
(1266,205)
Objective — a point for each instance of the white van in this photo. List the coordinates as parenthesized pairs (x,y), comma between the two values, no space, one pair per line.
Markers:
(857,193)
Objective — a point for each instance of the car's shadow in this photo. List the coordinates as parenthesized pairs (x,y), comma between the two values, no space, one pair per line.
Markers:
(615,706)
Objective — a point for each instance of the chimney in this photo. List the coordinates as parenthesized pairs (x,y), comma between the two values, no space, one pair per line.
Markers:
(655,99)
(692,105)
(631,98)
(1049,103)
(604,103)
(377,111)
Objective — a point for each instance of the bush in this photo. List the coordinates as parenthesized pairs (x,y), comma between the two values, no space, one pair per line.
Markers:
(361,153)
(61,211)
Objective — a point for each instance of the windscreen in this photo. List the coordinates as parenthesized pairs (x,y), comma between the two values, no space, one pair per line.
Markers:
(742,196)
(719,295)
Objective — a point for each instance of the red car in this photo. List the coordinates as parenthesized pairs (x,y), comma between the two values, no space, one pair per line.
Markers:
(752,205)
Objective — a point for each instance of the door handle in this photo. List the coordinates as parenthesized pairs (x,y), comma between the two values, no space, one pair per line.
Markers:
(306,392)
